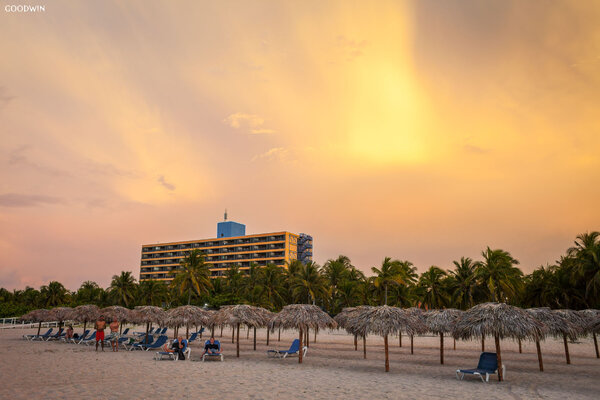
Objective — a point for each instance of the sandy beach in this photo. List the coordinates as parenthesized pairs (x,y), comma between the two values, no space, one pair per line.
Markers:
(332,369)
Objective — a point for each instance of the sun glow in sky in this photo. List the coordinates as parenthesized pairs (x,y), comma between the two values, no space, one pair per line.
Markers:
(419,130)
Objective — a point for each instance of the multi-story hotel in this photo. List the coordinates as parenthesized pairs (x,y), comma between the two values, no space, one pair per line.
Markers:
(231,247)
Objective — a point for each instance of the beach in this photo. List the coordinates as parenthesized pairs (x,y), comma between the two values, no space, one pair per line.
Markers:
(331,369)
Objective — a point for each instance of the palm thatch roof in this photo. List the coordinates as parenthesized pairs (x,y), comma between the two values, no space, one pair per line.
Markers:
(240,314)
(580,324)
(61,314)
(420,315)
(186,316)
(122,314)
(85,313)
(40,315)
(442,321)
(555,324)
(148,314)
(383,321)
(343,319)
(302,316)
(592,317)
(497,319)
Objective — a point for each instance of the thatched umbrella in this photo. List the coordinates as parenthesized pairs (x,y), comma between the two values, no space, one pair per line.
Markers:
(418,314)
(555,325)
(302,317)
(122,314)
(579,326)
(440,322)
(236,315)
(385,320)
(86,313)
(186,316)
(40,315)
(592,317)
(498,320)
(61,314)
(343,320)
(147,315)
(267,317)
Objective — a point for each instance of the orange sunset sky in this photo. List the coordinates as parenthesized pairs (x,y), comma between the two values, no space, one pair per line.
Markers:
(420,130)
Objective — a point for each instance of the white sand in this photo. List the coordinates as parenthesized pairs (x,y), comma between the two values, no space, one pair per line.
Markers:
(332,369)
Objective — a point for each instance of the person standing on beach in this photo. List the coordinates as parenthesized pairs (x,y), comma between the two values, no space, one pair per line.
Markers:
(100,326)
(114,334)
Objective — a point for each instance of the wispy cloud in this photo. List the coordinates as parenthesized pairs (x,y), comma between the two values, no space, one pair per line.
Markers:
(165,184)
(469,148)
(251,122)
(351,48)
(278,153)
(5,98)
(27,200)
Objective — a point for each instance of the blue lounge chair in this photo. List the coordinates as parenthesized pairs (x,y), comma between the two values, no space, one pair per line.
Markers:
(220,355)
(78,339)
(89,340)
(488,365)
(161,340)
(293,350)
(193,337)
(125,332)
(164,330)
(123,341)
(33,337)
(142,343)
(57,335)
(187,352)
(44,336)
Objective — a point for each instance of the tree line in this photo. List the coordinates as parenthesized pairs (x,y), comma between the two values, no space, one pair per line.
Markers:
(572,282)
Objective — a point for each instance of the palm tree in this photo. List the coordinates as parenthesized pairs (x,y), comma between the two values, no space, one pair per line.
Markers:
(193,275)
(272,286)
(309,284)
(463,283)
(335,272)
(88,293)
(586,254)
(233,281)
(498,274)
(252,284)
(122,288)
(152,293)
(391,273)
(431,288)
(54,294)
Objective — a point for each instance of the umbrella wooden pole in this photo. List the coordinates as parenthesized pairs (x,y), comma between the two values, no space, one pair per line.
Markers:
(40,327)
(566,349)
(441,348)
(212,331)
(254,338)
(187,332)
(454,344)
(355,342)
(307,337)
(596,346)
(84,323)
(300,352)
(221,331)
(268,332)
(520,348)
(365,347)
(387,355)
(539,353)
(279,335)
(147,328)
(500,374)
(315,341)
(411,344)
(233,334)
(399,339)
(482,343)
(237,346)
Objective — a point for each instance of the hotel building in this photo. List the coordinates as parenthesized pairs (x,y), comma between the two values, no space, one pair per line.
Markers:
(231,247)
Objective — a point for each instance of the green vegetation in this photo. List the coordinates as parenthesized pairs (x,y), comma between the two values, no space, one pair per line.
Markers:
(573,282)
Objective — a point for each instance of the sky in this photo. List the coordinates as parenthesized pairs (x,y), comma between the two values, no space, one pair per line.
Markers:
(419,130)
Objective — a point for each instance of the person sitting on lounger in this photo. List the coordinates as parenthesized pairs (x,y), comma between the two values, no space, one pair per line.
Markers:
(211,348)
(69,334)
(178,346)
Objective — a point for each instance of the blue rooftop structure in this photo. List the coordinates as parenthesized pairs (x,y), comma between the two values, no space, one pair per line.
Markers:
(230,228)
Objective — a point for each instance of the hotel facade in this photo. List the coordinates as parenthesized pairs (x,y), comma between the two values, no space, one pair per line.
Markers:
(231,247)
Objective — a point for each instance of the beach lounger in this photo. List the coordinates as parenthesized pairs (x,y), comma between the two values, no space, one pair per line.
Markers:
(293,350)
(161,340)
(164,330)
(488,365)
(44,336)
(32,337)
(124,341)
(187,352)
(78,339)
(193,337)
(142,343)
(125,332)
(57,335)
(210,356)
(89,340)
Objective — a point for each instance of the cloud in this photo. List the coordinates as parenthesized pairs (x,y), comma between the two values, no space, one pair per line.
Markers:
(17,157)
(279,153)
(252,122)
(4,97)
(27,200)
(167,185)
(351,48)
(469,148)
